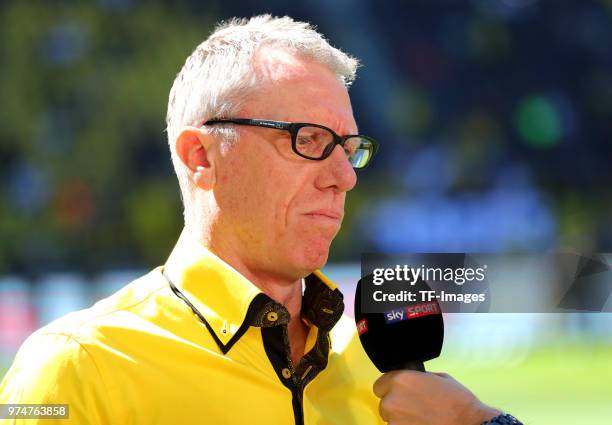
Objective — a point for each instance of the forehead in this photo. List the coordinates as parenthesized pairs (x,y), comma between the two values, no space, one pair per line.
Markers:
(298,89)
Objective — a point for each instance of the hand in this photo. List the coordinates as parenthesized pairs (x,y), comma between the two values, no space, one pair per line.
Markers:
(417,398)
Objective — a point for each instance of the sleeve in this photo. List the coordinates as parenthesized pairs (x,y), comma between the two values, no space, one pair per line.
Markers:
(56,369)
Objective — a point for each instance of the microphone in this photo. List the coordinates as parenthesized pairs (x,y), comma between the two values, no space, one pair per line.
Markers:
(405,335)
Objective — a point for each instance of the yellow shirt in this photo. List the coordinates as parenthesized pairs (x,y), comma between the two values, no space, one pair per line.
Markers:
(195,342)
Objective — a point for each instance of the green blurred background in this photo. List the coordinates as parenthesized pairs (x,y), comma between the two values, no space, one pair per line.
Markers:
(560,383)
(494,123)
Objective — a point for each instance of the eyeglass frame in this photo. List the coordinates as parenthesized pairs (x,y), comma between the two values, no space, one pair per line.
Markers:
(293,128)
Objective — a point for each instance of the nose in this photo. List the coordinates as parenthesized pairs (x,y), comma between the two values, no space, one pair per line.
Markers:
(337,172)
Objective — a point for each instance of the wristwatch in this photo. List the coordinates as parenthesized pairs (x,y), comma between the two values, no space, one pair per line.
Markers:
(503,419)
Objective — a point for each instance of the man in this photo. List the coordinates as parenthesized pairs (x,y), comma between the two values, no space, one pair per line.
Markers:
(239,326)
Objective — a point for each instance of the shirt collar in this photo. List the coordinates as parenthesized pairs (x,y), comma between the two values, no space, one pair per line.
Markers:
(224,297)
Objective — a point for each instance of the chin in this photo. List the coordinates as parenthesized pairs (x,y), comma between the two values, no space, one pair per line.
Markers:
(315,256)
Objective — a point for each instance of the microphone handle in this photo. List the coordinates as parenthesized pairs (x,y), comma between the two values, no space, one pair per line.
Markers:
(414,365)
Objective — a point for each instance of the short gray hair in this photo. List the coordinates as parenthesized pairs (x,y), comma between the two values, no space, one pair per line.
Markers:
(219,76)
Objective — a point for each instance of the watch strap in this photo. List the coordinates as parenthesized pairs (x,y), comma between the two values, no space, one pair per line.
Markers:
(503,419)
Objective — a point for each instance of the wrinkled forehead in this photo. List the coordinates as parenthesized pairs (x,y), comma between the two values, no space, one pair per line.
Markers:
(299,89)
(276,65)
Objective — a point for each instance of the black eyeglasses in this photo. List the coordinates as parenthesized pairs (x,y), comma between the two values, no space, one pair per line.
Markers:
(313,141)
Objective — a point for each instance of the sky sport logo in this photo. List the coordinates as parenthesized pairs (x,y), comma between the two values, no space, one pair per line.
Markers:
(362,326)
(411,312)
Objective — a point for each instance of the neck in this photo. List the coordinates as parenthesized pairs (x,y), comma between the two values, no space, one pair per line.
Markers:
(286,291)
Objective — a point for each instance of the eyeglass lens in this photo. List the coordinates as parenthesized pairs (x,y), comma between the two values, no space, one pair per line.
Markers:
(315,142)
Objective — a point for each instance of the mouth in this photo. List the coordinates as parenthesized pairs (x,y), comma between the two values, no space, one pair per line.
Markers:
(325,216)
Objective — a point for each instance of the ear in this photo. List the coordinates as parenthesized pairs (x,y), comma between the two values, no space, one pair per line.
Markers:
(194,148)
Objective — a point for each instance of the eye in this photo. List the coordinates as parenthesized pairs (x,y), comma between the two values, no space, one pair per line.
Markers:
(311,141)
(303,141)
(310,146)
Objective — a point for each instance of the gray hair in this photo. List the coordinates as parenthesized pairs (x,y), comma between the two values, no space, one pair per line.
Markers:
(219,76)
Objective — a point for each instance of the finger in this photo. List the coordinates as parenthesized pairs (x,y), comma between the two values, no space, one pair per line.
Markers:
(403,421)
(392,408)
(383,411)
(383,384)
(387,380)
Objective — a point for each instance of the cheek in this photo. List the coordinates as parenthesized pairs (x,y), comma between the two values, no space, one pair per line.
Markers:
(255,198)
(266,194)
(283,190)
(234,194)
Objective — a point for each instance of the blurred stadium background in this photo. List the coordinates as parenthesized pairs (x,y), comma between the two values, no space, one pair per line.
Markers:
(494,118)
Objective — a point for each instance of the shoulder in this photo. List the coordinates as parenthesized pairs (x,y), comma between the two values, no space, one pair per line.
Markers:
(61,361)
(41,361)
(83,326)
(67,343)
(56,369)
